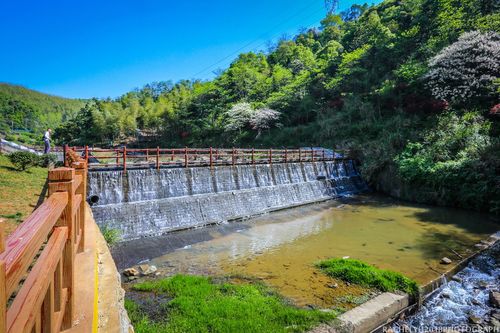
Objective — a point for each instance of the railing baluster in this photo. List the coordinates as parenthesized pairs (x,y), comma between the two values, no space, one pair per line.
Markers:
(124,158)
(211,159)
(186,157)
(3,282)
(48,310)
(87,154)
(62,180)
(81,170)
(158,158)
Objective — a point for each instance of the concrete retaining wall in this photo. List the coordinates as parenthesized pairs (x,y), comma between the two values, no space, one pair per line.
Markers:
(151,202)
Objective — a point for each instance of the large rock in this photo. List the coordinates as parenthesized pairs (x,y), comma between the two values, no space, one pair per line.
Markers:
(495,298)
(131,272)
(147,269)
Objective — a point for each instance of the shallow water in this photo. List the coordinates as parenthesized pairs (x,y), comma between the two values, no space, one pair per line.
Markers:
(281,248)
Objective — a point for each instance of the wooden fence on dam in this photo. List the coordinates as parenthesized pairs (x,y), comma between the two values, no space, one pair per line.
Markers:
(124,157)
(37,262)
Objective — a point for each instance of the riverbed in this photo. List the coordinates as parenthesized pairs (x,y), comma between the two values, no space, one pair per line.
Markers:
(280,248)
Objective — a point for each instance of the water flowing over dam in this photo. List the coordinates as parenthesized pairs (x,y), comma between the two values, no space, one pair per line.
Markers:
(150,202)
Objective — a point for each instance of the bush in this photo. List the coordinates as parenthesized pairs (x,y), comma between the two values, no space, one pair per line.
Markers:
(112,236)
(455,164)
(24,160)
(465,71)
(46,160)
(355,271)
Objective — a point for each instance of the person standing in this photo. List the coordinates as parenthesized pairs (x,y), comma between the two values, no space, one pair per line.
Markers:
(46,141)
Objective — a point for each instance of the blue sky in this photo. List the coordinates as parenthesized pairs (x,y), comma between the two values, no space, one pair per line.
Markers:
(105,48)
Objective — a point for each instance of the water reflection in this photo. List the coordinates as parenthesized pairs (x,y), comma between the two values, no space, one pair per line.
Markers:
(281,248)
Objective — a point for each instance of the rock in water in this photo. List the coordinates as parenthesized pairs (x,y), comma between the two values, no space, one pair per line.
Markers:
(131,272)
(495,298)
(149,270)
(446,261)
(475,320)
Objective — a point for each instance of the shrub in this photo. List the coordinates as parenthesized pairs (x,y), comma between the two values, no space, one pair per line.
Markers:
(46,160)
(111,236)
(24,160)
(355,271)
(465,71)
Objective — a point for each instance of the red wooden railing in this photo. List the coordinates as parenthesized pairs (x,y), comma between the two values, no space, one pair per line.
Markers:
(37,261)
(125,158)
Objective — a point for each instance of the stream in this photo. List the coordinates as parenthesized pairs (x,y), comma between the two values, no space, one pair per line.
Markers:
(462,304)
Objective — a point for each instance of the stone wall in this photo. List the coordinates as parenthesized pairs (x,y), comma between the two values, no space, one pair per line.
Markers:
(150,202)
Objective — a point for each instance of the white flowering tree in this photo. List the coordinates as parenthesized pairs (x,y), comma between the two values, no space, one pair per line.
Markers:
(238,117)
(466,70)
(264,119)
(243,115)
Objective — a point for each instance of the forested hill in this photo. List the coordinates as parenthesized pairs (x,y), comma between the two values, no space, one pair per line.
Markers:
(25,113)
(413,86)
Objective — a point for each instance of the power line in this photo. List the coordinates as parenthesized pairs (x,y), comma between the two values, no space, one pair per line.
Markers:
(259,38)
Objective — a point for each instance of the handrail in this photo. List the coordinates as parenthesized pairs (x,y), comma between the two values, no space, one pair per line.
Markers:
(45,301)
(26,240)
(126,158)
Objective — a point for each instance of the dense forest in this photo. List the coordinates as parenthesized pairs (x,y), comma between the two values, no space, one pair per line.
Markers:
(412,87)
(25,113)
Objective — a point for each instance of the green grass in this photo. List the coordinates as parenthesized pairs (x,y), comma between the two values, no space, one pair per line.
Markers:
(111,236)
(19,191)
(200,304)
(357,272)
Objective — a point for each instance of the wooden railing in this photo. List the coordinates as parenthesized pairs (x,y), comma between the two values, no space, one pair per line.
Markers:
(191,157)
(37,261)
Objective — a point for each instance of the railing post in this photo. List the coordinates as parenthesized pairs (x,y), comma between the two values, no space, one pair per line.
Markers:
(323,154)
(62,180)
(87,154)
(124,158)
(81,170)
(117,158)
(270,156)
(3,283)
(300,156)
(286,155)
(186,157)
(312,154)
(65,155)
(147,156)
(253,156)
(211,158)
(157,158)
(232,156)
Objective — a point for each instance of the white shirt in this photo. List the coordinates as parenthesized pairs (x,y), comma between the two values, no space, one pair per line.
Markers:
(46,136)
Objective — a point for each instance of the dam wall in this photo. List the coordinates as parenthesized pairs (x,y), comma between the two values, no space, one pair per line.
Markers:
(150,202)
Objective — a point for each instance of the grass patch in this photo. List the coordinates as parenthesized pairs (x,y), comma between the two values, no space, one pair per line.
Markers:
(201,304)
(111,236)
(355,271)
(19,191)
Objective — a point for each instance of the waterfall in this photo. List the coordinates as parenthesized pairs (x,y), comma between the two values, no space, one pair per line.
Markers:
(148,202)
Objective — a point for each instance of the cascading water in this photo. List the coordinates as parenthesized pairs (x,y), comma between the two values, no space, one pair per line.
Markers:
(149,202)
(462,303)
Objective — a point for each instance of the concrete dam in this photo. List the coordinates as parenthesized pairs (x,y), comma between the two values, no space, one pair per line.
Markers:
(148,202)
